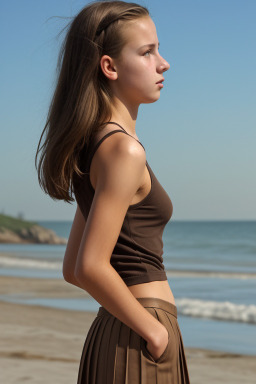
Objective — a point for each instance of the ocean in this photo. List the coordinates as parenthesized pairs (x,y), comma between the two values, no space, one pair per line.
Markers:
(211,269)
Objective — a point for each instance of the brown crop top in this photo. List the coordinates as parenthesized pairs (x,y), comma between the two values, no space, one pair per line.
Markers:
(137,255)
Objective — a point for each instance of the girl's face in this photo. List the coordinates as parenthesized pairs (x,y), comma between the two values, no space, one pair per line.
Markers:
(140,66)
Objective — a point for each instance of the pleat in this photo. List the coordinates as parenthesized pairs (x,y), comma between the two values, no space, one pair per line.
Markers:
(99,349)
(127,348)
(147,367)
(89,353)
(112,351)
(103,364)
(166,373)
(181,365)
(184,369)
(133,361)
(122,355)
(86,352)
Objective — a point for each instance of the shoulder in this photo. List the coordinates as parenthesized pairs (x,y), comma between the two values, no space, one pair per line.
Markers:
(120,159)
(120,148)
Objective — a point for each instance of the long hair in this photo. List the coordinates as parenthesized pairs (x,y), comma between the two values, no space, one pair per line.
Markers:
(82,98)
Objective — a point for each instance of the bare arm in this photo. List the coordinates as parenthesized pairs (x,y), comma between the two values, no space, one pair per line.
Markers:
(119,174)
(72,248)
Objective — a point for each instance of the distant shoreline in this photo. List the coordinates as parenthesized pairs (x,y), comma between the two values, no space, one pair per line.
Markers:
(18,231)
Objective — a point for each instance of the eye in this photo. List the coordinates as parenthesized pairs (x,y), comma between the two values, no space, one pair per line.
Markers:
(147,52)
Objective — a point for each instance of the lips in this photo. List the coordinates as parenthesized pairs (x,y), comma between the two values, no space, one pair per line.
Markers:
(160,81)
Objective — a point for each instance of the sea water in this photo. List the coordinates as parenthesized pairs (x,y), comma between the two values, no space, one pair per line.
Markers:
(211,269)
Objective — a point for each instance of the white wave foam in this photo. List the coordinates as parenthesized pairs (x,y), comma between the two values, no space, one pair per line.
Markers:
(217,310)
(15,262)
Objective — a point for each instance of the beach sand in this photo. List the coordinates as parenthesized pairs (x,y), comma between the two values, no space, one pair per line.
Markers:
(44,345)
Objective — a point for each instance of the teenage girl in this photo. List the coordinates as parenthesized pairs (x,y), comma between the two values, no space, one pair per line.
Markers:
(110,64)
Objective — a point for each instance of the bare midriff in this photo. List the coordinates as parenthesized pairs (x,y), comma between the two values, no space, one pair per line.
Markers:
(158,289)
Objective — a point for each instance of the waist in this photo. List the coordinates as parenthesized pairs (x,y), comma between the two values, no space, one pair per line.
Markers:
(147,302)
(157,289)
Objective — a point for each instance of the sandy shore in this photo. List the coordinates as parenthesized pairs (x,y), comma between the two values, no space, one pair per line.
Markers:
(43,345)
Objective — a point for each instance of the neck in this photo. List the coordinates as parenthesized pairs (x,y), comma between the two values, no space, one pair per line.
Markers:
(125,115)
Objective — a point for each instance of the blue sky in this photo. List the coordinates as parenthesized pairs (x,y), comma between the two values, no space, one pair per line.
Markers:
(200,136)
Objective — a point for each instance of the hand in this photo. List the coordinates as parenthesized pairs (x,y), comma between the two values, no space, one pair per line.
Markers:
(157,347)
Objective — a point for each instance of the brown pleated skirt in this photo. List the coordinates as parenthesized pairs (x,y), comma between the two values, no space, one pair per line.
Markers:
(115,354)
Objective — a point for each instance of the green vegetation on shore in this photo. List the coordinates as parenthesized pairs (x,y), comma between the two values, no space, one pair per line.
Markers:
(18,230)
(14,224)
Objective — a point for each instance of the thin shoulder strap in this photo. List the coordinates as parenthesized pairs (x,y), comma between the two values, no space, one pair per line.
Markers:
(112,122)
(95,147)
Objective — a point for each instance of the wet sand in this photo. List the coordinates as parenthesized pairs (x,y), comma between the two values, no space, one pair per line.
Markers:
(44,345)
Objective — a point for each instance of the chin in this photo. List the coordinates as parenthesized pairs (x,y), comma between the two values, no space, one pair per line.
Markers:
(151,100)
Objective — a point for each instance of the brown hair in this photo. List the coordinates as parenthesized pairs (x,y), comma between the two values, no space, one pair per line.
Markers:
(82,98)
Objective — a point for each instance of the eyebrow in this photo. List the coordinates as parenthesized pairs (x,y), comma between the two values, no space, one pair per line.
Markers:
(150,45)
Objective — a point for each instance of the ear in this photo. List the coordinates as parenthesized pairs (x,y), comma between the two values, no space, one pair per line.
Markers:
(108,67)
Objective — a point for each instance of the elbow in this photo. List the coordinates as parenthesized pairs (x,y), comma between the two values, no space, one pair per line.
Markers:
(80,274)
(68,275)
(84,274)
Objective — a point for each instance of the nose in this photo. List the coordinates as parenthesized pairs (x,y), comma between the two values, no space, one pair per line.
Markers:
(163,64)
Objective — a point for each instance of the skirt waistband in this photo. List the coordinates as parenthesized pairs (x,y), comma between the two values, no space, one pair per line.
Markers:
(148,302)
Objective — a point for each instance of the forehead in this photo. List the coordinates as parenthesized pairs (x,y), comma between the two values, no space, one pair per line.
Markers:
(140,32)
